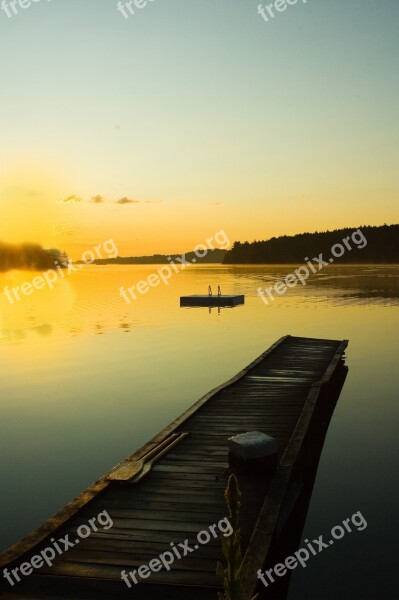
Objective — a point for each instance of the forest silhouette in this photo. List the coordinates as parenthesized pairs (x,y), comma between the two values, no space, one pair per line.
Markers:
(382,247)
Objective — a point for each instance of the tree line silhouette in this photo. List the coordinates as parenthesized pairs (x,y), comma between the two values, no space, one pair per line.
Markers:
(382,247)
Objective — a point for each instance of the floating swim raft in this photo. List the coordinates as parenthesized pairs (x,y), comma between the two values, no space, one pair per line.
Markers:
(207,300)
(288,392)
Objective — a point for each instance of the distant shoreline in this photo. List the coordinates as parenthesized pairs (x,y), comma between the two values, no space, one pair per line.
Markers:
(281,264)
(215,256)
(380,247)
(357,245)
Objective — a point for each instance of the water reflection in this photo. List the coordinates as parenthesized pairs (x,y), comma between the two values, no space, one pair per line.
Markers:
(90,302)
(71,374)
(20,334)
(346,284)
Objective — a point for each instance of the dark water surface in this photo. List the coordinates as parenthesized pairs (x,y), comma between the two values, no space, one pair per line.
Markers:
(85,378)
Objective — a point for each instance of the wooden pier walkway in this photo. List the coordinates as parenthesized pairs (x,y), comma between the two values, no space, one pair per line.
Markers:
(280,393)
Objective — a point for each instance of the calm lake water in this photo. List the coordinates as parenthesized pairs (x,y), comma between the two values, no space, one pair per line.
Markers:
(86,379)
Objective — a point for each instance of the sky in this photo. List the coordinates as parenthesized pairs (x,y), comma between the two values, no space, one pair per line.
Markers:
(197,116)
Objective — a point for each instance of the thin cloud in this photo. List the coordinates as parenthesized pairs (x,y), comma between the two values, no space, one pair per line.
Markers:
(126,200)
(71,199)
(98,199)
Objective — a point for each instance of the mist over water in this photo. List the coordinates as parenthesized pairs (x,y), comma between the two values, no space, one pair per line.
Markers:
(27,256)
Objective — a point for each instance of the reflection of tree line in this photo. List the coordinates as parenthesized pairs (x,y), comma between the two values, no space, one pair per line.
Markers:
(20,334)
(29,256)
(356,283)
(382,247)
(362,284)
(46,329)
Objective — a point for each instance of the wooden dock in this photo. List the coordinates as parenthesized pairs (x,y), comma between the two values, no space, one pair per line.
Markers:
(289,392)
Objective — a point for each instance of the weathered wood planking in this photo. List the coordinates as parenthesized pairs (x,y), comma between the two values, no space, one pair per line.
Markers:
(278,394)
